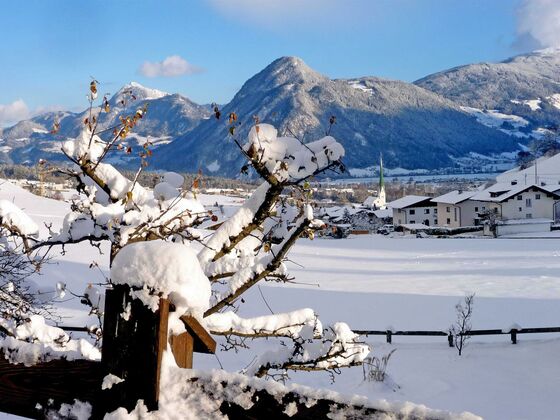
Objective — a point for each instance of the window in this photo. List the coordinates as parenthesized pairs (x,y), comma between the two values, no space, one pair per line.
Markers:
(448,221)
(483,208)
(476,209)
(520,197)
(529,216)
(412,211)
(426,211)
(528,202)
(520,208)
(435,211)
(412,222)
(448,209)
(455,214)
(537,196)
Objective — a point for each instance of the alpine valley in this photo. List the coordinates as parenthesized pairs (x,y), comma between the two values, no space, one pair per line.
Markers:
(475,117)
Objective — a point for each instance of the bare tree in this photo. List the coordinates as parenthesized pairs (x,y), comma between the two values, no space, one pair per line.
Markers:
(249,247)
(462,327)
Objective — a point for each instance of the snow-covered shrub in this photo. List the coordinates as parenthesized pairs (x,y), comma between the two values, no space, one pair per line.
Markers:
(158,249)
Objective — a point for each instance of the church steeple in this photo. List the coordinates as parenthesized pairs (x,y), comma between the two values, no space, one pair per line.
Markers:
(381,180)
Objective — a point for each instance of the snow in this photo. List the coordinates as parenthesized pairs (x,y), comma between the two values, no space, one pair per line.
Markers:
(110,380)
(495,119)
(174,179)
(554,100)
(84,147)
(407,201)
(547,172)
(163,268)
(454,197)
(214,166)
(533,104)
(373,281)
(286,157)
(15,219)
(165,191)
(201,399)
(79,410)
(34,341)
(360,85)
(289,324)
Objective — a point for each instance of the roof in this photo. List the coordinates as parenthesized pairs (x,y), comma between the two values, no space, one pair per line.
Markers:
(410,201)
(548,171)
(454,197)
(383,213)
(499,193)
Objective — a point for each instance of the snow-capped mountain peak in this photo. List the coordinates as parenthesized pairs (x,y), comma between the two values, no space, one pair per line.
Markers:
(139,91)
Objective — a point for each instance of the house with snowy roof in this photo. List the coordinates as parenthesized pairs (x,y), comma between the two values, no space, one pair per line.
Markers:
(525,201)
(414,209)
(457,209)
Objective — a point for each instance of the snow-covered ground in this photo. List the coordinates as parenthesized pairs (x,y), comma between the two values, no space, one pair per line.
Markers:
(376,282)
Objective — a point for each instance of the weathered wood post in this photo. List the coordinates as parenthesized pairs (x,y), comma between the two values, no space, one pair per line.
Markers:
(389,336)
(134,340)
(450,340)
(513,334)
(133,345)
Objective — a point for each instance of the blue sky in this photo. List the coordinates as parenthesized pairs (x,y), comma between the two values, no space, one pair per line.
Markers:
(51,48)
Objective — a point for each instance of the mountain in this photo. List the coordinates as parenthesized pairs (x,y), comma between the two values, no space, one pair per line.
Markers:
(526,86)
(413,127)
(168,116)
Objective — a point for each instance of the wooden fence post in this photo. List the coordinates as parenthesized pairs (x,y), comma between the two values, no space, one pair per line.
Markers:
(132,349)
(389,336)
(513,334)
(450,340)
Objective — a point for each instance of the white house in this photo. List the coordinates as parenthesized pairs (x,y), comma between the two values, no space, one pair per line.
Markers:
(456,209)
(414,209)
(521,201)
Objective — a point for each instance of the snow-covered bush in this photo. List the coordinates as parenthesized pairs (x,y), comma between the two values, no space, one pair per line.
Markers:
(158,249)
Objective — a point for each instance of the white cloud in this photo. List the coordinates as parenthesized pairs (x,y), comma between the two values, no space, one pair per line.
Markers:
(170,67)
(14,112)
(540,19)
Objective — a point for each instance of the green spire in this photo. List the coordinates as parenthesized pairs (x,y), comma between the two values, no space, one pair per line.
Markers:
(381,180)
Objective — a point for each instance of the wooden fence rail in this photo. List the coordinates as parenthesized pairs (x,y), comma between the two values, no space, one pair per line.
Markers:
(512,333)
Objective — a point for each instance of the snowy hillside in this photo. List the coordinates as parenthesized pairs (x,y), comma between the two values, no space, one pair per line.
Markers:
(526,86)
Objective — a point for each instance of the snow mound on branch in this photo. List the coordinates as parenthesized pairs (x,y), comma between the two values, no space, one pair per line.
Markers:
(165,191)
(85,147)
(173,178)
(168,268)
(289,158)
(290,323)
(34,341)
(14,218)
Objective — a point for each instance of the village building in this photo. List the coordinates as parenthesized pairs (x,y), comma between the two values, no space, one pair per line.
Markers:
(414,209)
(512,202)
(456,209)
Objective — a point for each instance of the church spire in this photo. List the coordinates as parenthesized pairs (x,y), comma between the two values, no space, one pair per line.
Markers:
(381,180)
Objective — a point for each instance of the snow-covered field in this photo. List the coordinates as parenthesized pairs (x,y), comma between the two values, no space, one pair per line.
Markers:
(375,282)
